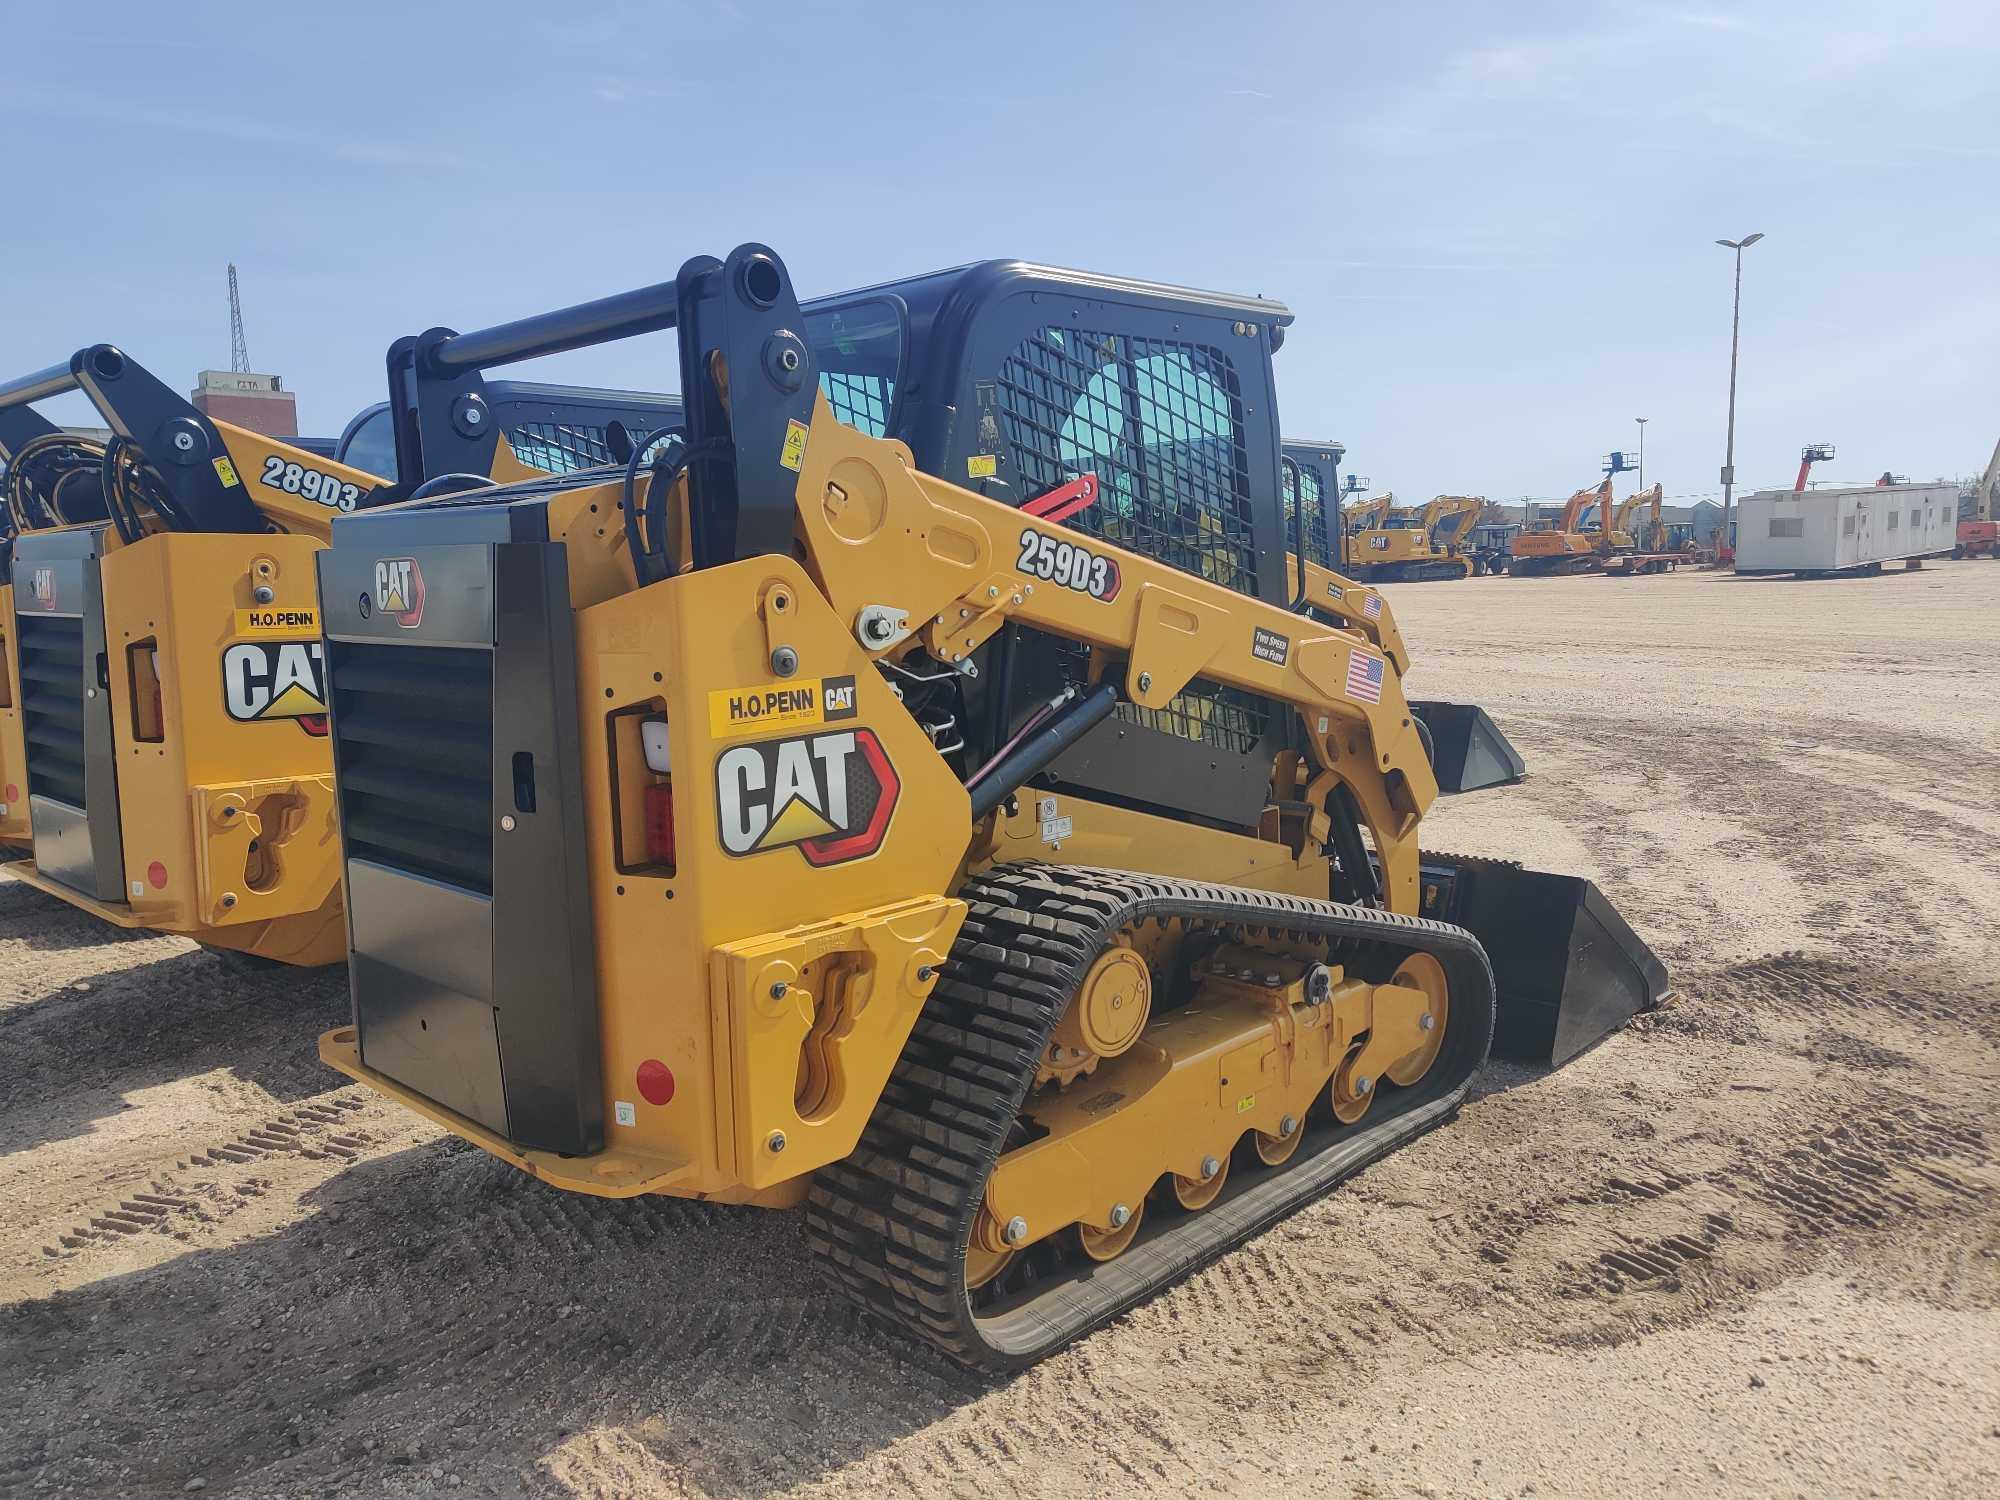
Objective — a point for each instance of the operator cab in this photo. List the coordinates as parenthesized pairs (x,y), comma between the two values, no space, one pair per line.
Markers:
(1012,380)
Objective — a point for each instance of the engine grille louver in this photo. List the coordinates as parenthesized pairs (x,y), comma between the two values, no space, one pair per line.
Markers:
(415,739)
(51,652)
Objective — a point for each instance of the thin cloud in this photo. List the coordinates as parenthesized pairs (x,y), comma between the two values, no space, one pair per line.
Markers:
(74,104)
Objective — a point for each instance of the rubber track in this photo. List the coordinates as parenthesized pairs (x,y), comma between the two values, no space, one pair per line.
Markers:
(891,1221)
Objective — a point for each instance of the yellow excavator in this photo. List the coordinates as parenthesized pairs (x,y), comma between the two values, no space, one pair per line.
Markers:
(832,816)
(1624,534)
(1564,545)
(1630,546)
(1368,513)
(1419,545)
(165,758)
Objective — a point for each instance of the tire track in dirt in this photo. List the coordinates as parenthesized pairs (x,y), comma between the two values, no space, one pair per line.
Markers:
(410,1298)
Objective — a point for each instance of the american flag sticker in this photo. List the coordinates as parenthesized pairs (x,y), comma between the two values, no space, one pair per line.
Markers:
(1364,677)
(1373,608)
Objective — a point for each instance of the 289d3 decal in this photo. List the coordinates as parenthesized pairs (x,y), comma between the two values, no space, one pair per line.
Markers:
(322,489)
(1068,563)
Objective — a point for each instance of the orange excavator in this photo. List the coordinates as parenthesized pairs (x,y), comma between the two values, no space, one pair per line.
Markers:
(1563,545)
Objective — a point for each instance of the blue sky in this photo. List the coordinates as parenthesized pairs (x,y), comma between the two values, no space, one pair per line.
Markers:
(1494,222)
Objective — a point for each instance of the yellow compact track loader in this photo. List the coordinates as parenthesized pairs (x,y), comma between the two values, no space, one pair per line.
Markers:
(1421,545)
(912,799)
(164,755)
(1467,751)
(1316,578)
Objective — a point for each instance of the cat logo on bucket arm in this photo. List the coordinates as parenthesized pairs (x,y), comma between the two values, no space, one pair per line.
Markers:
(830,795)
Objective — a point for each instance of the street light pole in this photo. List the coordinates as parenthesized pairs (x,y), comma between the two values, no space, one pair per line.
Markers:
(1735,329)
(1642,451)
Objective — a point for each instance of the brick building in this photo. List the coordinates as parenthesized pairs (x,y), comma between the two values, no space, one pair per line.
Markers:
(258,402)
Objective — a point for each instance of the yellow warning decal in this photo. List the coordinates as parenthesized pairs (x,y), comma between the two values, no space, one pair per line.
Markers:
(795,445)
(982,466)
(271,620)
(1247,1103)
(780,705)
(226,471)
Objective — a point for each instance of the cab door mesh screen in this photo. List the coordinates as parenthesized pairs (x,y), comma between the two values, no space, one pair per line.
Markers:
(1160,423)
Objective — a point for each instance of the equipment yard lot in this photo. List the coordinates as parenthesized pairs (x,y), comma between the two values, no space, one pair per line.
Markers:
(1748,1245)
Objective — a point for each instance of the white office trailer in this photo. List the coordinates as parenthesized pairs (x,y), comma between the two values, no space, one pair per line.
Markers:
(1839,531)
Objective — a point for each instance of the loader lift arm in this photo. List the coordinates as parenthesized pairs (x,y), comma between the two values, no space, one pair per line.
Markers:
(168,467)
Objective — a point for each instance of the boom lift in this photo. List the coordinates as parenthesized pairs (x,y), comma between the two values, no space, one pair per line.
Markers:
(857,838)
(1812,453)
(163,628)
(1419,545)
(1564,546)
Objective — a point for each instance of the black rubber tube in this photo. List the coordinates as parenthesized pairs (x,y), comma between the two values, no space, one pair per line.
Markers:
(1041,747)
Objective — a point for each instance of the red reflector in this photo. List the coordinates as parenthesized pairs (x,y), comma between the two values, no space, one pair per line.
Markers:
(156,875)
(313,724)
(13,792)
(660,822)
(656,1081)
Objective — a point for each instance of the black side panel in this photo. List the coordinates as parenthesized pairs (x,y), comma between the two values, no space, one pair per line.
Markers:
(66,711)
(452,674)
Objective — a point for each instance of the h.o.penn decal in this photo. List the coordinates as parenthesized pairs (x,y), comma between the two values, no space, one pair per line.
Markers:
(1070,564)
(399,590)
(268,619)
(804,703)
(274,680)
(828,795)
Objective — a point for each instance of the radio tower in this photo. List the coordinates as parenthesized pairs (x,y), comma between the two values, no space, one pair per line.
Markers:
(239,351)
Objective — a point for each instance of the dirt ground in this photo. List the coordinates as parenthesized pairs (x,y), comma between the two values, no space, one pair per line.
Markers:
(1748,1246)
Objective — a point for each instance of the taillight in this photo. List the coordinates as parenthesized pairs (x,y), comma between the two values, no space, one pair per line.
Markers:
(660,823)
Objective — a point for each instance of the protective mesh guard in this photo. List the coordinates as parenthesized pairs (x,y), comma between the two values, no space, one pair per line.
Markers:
(559,447)
(1160,422)
(1303,480)
(861,401)
(1161,425)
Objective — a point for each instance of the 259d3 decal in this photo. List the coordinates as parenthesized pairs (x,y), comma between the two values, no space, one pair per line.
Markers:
(828,795)
(1070,564)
